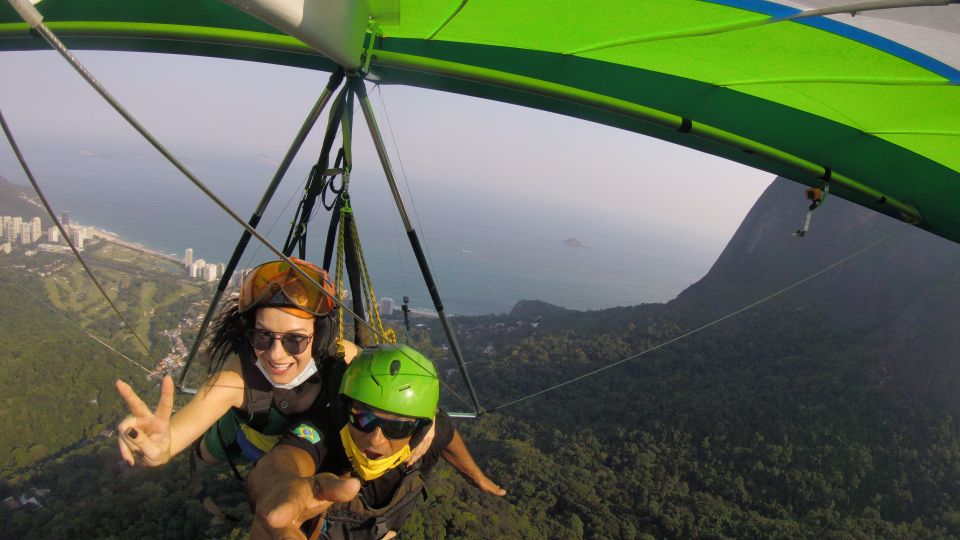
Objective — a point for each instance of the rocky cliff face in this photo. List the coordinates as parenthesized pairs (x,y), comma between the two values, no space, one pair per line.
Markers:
(902,295)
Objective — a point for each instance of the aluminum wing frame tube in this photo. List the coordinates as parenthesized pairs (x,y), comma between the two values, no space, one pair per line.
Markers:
(336,78)
(368,115)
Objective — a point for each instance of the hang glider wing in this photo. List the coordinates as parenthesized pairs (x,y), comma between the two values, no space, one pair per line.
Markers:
(805,90)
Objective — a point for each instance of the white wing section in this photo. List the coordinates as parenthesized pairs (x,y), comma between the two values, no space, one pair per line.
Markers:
(334,28)
(931,30)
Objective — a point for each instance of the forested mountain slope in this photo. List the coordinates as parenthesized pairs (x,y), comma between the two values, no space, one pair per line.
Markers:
(14,203)
(794,419)
(901,295)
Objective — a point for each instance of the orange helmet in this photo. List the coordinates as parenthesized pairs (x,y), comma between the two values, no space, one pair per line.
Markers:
(276,284)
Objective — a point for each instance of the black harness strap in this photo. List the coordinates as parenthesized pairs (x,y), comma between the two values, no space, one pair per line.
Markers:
(361,332)
(332,233)
(356,520)
(320,176)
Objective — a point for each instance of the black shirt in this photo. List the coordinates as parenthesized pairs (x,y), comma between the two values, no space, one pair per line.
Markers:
(321,439)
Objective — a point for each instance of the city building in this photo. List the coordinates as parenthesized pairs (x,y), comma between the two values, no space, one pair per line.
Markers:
(188,257)
(196,268)
(26,233)
(77,238)
(10,231)
(36,230)
(209,272)
(53,235)
(16,229)
(65,218)
(386,306)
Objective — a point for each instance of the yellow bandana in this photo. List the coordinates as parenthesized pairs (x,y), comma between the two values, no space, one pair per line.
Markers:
(367,468)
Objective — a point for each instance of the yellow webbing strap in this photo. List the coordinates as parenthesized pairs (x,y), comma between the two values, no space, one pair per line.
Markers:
(261,441)
(338,280)
(369,296)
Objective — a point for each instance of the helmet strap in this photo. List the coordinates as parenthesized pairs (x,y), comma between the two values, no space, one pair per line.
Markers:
(423,426)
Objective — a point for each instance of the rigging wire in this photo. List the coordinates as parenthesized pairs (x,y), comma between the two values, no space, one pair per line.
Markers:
(454,392)
(74,62)
(256,250)
(403,174)
(705,326)
(250,257)
(63,232)
(396,230)
(335,79)
(78,325)
(384,157)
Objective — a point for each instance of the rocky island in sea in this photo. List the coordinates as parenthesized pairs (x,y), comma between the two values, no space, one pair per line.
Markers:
(575,243)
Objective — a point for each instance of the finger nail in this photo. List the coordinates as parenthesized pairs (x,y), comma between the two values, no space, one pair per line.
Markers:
(133,434)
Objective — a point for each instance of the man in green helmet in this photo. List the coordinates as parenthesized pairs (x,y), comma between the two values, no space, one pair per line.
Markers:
(352,471)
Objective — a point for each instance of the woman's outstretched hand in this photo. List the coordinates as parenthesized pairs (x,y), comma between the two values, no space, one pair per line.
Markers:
(143,431)
(289,502)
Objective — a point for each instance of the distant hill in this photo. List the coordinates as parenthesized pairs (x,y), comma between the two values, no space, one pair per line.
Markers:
(13,202)
(902,294)
(534,309)
(816,414)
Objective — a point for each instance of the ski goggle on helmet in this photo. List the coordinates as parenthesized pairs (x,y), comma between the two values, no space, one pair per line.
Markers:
(277,284)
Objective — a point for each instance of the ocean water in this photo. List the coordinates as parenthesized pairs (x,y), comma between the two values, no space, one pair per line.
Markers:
(486,252)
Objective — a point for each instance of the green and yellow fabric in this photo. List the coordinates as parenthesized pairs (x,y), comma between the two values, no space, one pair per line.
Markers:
(871,103)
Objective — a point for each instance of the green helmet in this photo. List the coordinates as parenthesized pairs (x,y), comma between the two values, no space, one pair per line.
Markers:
(393,378)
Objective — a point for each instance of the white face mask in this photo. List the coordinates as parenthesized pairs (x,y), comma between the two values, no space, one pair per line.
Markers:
(297,381)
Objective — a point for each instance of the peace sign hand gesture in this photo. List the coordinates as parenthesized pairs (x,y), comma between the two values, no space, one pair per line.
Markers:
(144,432)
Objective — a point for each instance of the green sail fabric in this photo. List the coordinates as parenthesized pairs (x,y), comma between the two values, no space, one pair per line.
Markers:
(877,110)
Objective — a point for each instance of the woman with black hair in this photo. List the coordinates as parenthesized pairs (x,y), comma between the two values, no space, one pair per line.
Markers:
(273,354)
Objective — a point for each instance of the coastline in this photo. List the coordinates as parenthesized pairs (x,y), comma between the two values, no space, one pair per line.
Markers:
(104,234)
(115,239)
(490,280)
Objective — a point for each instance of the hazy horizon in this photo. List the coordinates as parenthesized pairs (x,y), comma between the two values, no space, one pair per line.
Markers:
(514,180)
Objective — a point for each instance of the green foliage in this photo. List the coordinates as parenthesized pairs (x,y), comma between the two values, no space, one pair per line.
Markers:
(760,428)
(57,382)
(13,202)
(93,494)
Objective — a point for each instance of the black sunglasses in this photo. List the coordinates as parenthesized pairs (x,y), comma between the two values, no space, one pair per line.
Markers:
(262,340)
(366,421)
